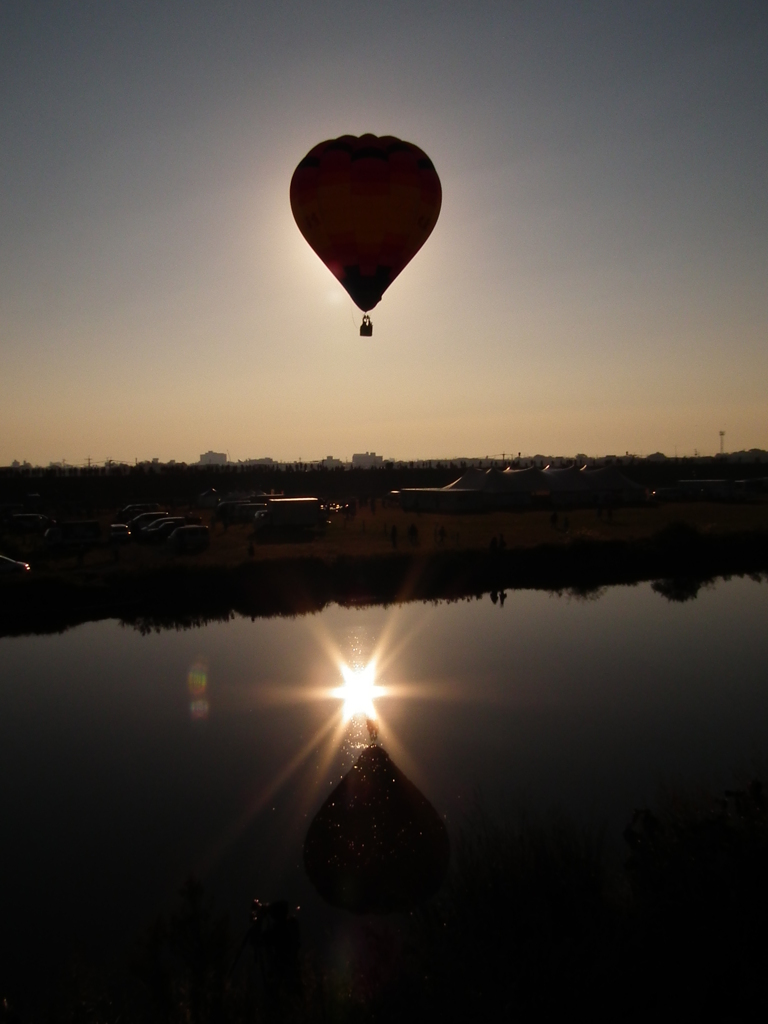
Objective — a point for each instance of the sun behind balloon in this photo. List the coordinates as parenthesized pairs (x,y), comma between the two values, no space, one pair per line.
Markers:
(366,206)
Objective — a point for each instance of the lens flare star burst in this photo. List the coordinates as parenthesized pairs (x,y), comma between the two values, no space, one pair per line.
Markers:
(354,707)
(359,691)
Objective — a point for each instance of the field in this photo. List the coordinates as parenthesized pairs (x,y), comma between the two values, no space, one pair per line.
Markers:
(369,535)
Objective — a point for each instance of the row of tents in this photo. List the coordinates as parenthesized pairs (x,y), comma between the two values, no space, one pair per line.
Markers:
(480,490)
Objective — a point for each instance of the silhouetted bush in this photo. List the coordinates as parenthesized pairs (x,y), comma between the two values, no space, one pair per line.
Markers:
(698,871)
(533,925)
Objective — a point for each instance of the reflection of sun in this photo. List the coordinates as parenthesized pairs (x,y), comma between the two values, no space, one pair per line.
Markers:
(358,691)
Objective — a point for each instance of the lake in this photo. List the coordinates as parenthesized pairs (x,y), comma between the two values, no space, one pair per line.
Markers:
(129,761)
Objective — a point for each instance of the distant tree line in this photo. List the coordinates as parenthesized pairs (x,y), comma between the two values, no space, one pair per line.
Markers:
(98,488)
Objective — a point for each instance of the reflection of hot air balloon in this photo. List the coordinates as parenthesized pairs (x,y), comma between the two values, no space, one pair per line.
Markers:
(366,206)
(377,844)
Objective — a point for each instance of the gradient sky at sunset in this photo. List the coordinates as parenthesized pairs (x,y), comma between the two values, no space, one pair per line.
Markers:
(597,281)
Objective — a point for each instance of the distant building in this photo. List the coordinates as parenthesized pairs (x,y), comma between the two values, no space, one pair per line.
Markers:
(213,459)
(656,457)
(369,460)
(330,463)
(258,462)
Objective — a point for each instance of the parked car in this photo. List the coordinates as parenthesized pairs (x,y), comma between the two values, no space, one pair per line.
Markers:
(125,515)
(119,533)
(188,539)
(29,522)
(11,565)
(161,529)
(138,523)
(208,499)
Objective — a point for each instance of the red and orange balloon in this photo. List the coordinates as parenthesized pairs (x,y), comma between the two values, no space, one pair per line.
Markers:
(366,206)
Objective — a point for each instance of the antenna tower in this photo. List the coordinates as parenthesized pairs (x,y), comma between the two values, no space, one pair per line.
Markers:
(722,440)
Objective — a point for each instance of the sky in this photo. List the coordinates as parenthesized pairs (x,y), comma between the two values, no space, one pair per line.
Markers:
(596,282)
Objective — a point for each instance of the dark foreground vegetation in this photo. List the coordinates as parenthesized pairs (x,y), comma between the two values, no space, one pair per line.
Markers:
(536,922)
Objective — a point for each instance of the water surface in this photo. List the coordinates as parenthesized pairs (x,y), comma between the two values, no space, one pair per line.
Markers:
(123,768)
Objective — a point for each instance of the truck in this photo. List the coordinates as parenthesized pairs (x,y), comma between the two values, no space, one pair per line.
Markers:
(289,513)
(239,511)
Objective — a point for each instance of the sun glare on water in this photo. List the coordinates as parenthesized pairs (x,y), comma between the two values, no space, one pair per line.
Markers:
(358,692)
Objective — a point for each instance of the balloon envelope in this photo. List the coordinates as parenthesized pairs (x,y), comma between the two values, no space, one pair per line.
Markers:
(377,844)
(366,206)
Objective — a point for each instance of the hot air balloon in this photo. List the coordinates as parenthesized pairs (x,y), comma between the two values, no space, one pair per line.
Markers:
(377,845)
(366,206)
